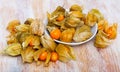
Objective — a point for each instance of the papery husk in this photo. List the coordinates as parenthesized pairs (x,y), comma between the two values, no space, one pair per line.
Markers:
(93,17)
(52,18)
(91,20)
(76,7)
(63,27)
(48,42)
(32,40)
(101,40)
(11,26)
(21,36)
(38,52)
(27,55)
(37,27)
(22,28)
(82,33)
(58,10)
(73,22)
(74,19)
(27,41)
(29,21)
(111,31)
(50,28)
(47,59)
(65,53)
(67,35)
(64,59)
(97,13)
(12,39)
(13,49)
(37,47)
(77,14)
(102,25)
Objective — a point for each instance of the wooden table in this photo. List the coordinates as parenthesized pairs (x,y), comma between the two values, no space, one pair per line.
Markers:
(89,58)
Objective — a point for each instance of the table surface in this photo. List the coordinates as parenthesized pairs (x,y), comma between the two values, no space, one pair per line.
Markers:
(89,58)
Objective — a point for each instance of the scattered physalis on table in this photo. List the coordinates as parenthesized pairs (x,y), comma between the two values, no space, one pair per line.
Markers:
(29,41)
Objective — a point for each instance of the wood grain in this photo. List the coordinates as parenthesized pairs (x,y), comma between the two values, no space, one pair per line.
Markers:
(89,58)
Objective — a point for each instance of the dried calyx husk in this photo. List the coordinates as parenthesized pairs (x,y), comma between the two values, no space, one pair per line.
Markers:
(102,24)
(48,42)
(65,52)
(67,35)
(37,27)
(82,33)
(29,21)
(57,17)
(23,28)
(76,7)
(93,17)
(40,51)
(50,28)
(11,26)
(111,31)
(72,21)
(105,33)
(13,49)
(27,55)
(101,40)
(21,36)
(12,39)
(75,17)
(31,40)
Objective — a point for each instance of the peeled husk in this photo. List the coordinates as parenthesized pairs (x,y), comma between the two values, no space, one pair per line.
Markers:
(77,14)
(74,19)
(38,52)
(13,49)
(12,39)
(27,54)
(97,13)
(101,40)
(73,22)
(102,25)
(37,27)
(67,35)
(11,26)
(21,36)
(22,28)
(48,42)
(82,33)
(52,18)
(76,7)
(111,31)
(31,39)
(29,21)
(48,59)
(93,17)
(50,28)
(65,53)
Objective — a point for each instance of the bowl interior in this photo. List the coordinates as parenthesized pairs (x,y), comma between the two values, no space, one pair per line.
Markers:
(93,30)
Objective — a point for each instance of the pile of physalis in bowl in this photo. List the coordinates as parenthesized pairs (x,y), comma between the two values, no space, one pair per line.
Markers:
(29,41)
(74,27)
